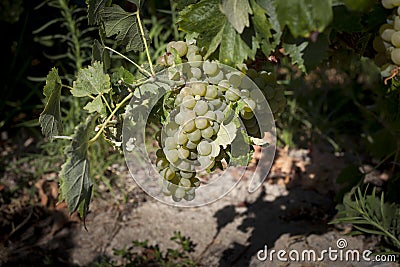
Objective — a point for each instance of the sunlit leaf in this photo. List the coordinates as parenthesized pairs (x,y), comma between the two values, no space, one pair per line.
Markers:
(94,106)
(295,52)
(91,81)
(237,13)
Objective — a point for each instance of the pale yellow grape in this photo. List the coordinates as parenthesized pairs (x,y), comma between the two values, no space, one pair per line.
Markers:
(181,137)
(194,136)
(169,174)
(189,126)
(210,115)
(199,89)
(185,182)
(181,47)
(396,2)
(211,92)
(396,39)
(201,123)
(396,24)
(388,4)
(235,80)
(183,153)
(210,68)
(395,56)
(233,94)
(387,34)
(207,132)
(384,27)
(204,148)
(201,108)
(196,72)
(170,143)
(188,101)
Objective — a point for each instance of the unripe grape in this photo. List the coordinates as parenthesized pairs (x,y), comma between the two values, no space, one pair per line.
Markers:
(388,4)
(181,47)
(210,68)
(384,27)
(395,56)
(232,94)
(396,39)
(207,132)
(170,143)
(204,148)
(189,126)
(188,101)
(199,89)
(183,153)
(201,123)
(195,135)
(387,34)
(181,137)
(211,92)
(201,108)
(172,155)
(396,24)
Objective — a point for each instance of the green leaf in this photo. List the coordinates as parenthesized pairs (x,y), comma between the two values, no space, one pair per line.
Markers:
(295,52)
(214,29)
(91,81)
(50,118)
(304,16)
(124,75)
(95,106)
(94,9)
(99,53)
(75,183)
(316,52)
(359,5)
(237,13)
(226,134)
(181,4)
(125,26)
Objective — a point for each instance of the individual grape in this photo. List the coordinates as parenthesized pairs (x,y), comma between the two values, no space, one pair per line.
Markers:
(388,4)
(396,2)
(181,137)
(180,46)
(195,60)
(207,132)
(187,175)
(183,153)
(201,123)
(235,80)
(260,82)
(217,78)
(186,91)
(210,115)
(189,197)
(396,24)
(192,49)
(395,56)
(179,193)
(250,122)
(250,104)
(244,93)
(247,115)
(215,127)
(211,92)
(199,89)
(210,68)
(160,153)
(252,73)
(185,182)
(172,155)
(220,116)
(204,148)
(170,45)
(189,126)
(201,108)
(161,163)
(396,39)
(171,128)
(188,101)
(196,72)
(170,143)
(179,119)
(206,162)
(232,94)
(195,135)
(223,85)
(185,165)
(169,174)
(387,34)
(191,145)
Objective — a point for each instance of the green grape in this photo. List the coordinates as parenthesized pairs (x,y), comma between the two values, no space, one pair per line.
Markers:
(161,163)
(181,47)
(206,162)
(160,153)
(250,122)
(201,123)
(192,49)
(217,78)
(388,4)
(195,135)
(179,119)
(195,60)
(183,153)
(210,115)
(395,56)
(244,93)
(170,45)
(201,108)
(170,143)
(191,145)
(235,80)
(189,126)
(185,165)
(185,182)
(215,127)
(204,148)
(171,128)
(179,194)
(220,116)
(178,100)
(169,174)
(387,34)
(223,85)
(247,115)
(232,94)
(181,137)
(211,92)
(187,175)
(396,2)
(199,89)
(188,101)
(396,24)
(172,155)
(186,91)
(250,105)
(207,132)
(210,68)
(396,39)
(196,72)
(189,197)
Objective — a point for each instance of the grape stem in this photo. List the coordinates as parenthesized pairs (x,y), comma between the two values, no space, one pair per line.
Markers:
(145,44)
(142,70)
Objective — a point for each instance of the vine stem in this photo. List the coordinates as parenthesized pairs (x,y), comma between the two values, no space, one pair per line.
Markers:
(106,102)
(131,61)
(145,44)
(103,126)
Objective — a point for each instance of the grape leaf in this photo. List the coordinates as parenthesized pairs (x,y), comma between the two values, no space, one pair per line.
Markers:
(99,53)
(263,26)
(237,13)
(94,8)
(214,30)
(304,16)
(91,80)
(226,134)
(95,106)
(75,183)
(180,4)
(50,118)
(295,52)
(125,26)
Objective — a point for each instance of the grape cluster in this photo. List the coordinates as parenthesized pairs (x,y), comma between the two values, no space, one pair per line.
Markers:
(210,98)
(387,43)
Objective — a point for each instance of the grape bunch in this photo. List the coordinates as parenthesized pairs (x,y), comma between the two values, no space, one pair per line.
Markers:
(197,134)
(387,43)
